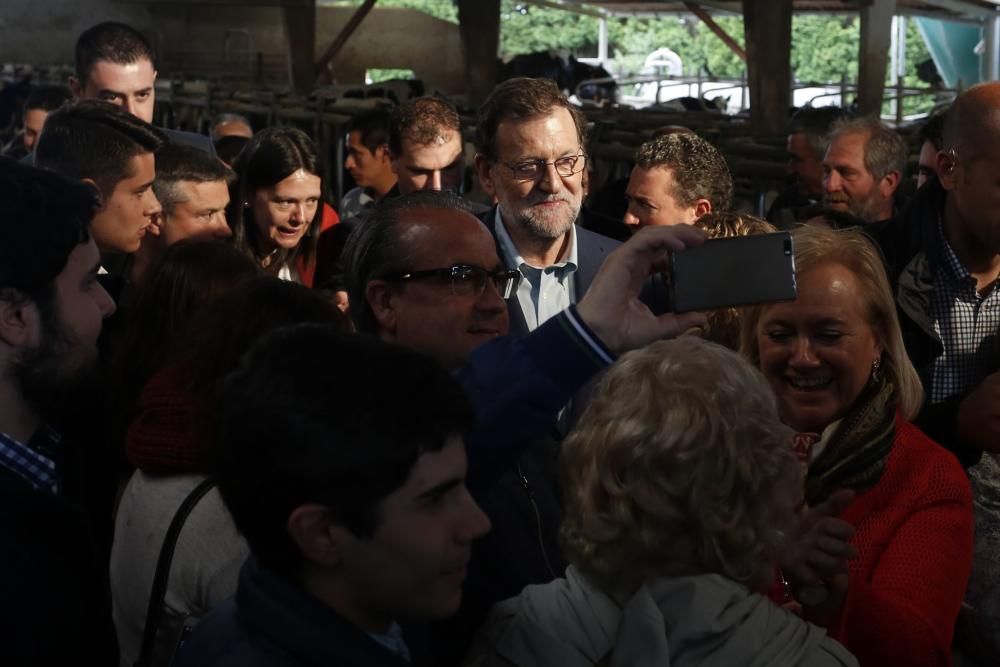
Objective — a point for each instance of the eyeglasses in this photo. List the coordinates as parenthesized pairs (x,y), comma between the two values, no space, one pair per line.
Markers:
(532,170)
(468,280)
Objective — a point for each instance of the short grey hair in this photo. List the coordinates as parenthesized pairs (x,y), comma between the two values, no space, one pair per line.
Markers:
(680,465)
(176,163)
(885,150)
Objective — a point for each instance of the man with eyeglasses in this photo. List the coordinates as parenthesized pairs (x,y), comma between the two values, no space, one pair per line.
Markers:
(532,160)
(424,272)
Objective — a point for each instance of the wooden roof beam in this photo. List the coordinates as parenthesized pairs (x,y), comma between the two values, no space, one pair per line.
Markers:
(726,38)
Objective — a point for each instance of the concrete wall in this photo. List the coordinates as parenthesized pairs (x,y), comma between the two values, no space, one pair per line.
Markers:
(43,32)
(225,41)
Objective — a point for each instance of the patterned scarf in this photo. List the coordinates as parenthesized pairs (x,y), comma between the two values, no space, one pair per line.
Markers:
(855,455)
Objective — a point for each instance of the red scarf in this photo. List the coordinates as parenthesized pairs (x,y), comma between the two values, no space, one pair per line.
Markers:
(160,439)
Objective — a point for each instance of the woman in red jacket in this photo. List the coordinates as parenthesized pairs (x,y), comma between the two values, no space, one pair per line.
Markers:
(276,208)
(836,362)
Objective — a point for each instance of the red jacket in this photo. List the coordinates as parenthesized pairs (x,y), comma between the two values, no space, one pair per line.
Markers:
(307,270)
(914,541)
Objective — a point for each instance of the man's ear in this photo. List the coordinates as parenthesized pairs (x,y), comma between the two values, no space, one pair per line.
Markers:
(100,196)
(947,168)
(317,537)
(702,207)
(383,154)
(378,294)
(888,184)
(484,170)
(75,87)
(18,318)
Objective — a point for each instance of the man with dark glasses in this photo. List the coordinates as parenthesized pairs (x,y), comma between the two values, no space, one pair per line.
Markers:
(424,273)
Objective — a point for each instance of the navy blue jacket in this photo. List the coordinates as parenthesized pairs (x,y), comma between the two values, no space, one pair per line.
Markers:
(272,623)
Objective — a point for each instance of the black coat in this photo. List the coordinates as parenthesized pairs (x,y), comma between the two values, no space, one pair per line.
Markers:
(56,604)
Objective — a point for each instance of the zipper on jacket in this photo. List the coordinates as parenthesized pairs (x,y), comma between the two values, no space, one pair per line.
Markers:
(538,520)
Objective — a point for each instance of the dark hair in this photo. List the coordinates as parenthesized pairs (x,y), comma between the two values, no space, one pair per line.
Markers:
(190,275)
(270,157)
(47,98)
(700,171)
(517,99)
(96,140)
(932,131)
(421,120)
(115,42)
(373,126)
(374,249)
(42,220)
(214,346)
(228,148)
(313,415)
(815,123)
(176,163)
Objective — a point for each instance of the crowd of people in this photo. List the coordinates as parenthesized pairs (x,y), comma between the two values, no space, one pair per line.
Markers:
(242,424)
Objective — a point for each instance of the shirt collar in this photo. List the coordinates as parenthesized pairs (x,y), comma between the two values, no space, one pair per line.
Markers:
(35,465)
(512,256)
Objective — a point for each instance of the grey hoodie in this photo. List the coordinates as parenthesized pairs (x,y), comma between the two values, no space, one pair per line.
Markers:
(700,620)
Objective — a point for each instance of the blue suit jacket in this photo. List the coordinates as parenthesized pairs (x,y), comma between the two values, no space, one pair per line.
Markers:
(591,250)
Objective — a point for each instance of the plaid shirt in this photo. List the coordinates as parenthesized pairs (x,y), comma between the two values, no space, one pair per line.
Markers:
(966,322)
(35,464)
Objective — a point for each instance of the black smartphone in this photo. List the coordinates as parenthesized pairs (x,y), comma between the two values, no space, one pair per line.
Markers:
(736,271)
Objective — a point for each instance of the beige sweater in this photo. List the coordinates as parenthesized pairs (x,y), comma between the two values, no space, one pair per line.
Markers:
(203,572)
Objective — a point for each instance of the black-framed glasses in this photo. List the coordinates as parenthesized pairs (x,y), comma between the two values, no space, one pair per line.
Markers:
(468,280)
(531,170)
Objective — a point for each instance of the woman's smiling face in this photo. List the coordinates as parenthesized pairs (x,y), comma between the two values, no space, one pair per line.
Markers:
(817,351)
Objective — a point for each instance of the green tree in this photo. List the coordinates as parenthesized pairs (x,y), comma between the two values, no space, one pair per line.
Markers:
(824,47)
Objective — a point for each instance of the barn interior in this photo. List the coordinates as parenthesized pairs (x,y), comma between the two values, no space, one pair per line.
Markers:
(304,62)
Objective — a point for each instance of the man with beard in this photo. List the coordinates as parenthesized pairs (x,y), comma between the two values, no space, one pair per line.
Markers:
(56,607)
(532,160)
(862,169)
